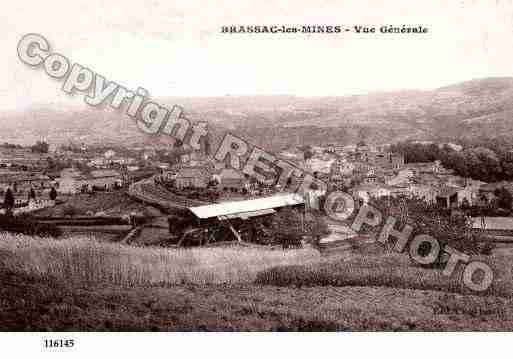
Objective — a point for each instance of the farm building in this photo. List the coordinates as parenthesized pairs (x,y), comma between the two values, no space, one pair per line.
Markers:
(247,208)
(230,219)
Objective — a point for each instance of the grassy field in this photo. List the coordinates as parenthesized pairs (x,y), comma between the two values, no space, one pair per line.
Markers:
(83,284)
(388,270)
(111,203)
(84,260)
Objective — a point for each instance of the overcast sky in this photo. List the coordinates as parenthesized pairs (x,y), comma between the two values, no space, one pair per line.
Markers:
(175,48)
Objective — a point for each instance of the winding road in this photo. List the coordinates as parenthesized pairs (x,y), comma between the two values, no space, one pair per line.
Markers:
(153,194)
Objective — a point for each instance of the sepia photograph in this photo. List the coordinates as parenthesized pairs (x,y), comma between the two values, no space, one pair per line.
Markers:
(255,166)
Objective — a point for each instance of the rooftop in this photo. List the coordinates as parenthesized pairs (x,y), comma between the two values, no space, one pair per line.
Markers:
(247,206)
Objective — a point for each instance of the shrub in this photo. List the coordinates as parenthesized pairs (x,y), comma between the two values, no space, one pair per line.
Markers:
(27,225)
(53,194)
(8,200)
(290,227)
(70,211)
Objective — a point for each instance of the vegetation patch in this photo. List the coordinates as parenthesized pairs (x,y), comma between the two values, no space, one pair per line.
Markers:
(29,226)
(86,261)
(389,270)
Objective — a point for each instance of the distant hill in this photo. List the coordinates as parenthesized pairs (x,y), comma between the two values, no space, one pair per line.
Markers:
(482,107)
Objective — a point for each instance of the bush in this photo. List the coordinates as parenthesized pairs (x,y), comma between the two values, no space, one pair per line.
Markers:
(53,194)
(287,228)
(28,226)
(290,227)
(70,211)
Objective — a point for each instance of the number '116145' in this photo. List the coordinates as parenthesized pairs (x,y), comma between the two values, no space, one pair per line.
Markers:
(59,343)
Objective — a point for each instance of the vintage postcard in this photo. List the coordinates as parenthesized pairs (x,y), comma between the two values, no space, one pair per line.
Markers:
(255,166)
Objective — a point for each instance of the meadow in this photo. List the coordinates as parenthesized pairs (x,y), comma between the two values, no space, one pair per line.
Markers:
(392,270)
(84,260)
(80,283)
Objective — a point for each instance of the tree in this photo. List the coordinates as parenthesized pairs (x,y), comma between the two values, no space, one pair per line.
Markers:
(486,159)
(504,198)
(32,194)
(207,144)
(507,165)
(315,226)
(53,194)
(488,166)
(40,147)
(50,162)
(308,153)
(70,211)
(8,201)
(288,228)
(465,204)
(213,183)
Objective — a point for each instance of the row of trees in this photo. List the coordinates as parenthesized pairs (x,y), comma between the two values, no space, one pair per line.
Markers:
(487,161)
(38,147)
(10,145)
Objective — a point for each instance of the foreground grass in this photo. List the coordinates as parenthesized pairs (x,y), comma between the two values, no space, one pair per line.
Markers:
(82,284)
(39,305)
(86,261)
(387,270)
